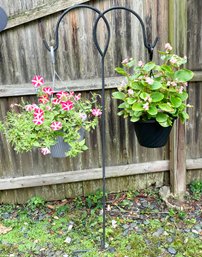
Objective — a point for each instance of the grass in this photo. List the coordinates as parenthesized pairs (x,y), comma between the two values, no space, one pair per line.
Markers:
(138,224)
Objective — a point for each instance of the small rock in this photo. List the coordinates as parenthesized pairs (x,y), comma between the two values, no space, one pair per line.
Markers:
(158,232)
(170,240)
(172,250)
(164,192)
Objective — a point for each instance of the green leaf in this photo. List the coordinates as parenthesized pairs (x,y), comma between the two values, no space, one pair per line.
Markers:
(183,75)
(152,110)
(144,95)
(149,66)
(121,71)
(122,105)
(131,100)
(137,86)
(119,95)
(120,113)
(183,96)
(166,107)
(164,124)
(161,117)
(157,97)
(166,68)
(176,101)
(137,107)
(156,85)
(184,116)
(134,119)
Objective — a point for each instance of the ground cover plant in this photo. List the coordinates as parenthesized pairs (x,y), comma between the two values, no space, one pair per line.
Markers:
(138,224)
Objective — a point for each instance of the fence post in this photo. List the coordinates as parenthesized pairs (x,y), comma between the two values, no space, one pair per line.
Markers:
(178,39)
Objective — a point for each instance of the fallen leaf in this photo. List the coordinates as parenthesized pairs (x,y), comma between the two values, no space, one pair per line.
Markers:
(4,230)
(51,207)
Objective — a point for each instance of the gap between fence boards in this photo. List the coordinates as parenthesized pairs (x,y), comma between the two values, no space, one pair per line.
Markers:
(73,85)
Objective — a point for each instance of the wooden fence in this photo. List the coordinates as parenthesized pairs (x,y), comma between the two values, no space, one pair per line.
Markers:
(129,166)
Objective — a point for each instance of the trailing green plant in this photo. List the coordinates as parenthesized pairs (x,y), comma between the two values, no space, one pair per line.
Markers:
(153,91)
(38,125)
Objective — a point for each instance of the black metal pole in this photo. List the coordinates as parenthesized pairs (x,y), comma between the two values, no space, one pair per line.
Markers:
(150,48)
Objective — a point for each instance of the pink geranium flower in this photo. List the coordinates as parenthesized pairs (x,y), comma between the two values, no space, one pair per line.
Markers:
(56,125)
(149,80)
(48,90)
(168,47)
(37,81)
(146,106)
(96,112)
(68,105)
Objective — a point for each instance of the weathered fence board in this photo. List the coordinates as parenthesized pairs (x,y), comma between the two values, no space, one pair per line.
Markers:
(37,11)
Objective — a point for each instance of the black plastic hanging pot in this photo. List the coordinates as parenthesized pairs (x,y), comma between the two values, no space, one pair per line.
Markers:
(60,148)
(151,134)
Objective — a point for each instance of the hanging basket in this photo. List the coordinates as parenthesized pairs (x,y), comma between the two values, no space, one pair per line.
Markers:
(151,134)
(60,148)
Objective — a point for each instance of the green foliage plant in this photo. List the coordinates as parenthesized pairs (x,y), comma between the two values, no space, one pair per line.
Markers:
(35,202)
(38,125)
(153,91)
(196,189)
(94,200)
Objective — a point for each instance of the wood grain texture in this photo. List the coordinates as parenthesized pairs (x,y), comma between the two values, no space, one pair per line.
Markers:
(72,85)
(177,31)
(23,55)
(34,10)
(82,175)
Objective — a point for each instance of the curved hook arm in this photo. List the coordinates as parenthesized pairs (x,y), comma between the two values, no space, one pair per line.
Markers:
(150,47)
(55,47)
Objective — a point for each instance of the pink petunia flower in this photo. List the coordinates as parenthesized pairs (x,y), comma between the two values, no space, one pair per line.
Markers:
(68,105)
(56,125)
(77,97)
(43,99)
(55,101)
(83,116)
(38,120)
(37,81)
(62,95)
(29,107)
(48,90)
(38,112)
(45,151)
(96,112)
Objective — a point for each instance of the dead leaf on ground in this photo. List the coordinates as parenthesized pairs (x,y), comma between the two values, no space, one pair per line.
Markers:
(4,230)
